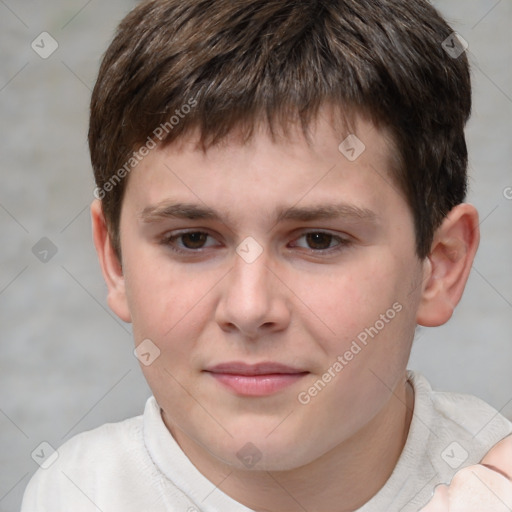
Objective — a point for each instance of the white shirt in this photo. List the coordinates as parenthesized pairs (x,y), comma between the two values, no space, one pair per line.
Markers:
(137,466)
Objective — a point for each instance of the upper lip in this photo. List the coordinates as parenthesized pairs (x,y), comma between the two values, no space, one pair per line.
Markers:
(265,368)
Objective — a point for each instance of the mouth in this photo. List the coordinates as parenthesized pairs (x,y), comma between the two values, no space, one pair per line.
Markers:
(255,379)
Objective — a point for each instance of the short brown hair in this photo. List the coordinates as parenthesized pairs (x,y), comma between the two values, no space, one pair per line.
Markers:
(243,61)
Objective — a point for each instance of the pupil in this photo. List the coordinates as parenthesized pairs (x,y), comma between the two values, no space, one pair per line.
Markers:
(319,240)
(194,240)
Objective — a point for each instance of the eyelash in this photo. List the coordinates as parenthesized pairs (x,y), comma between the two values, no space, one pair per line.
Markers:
(342,242)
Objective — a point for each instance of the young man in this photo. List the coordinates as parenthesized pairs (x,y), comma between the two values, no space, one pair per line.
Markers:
(280,191)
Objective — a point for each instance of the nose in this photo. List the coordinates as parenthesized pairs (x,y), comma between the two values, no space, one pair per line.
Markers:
(253,300)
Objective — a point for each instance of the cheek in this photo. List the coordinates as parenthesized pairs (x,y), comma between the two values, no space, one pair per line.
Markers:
(371,319)
(165,300)
(354,298)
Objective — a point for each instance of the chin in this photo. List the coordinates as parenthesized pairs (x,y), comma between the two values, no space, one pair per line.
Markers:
(259,452)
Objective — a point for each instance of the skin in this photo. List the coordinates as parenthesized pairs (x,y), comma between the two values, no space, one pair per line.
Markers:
(484,486)
(295,304)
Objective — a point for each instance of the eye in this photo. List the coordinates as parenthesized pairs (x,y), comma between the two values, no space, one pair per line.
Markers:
(188,241)
(321,241)
(194,240)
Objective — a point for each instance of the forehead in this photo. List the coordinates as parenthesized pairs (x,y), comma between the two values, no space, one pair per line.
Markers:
(271,173)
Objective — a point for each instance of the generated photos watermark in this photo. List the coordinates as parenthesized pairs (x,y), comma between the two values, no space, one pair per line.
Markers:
(455,45)
(455,455)
(146,352)
(44,455)
(158,135)
(249,455)
(357,345)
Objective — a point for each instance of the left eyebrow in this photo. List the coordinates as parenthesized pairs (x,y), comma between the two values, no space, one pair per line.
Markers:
(326,212)
(193,211)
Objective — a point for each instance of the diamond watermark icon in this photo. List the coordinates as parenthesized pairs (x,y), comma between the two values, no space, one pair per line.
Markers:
(249,455)
(146,352)
(352,147)
(44,45)
(45,455)
(455,45)
(454,455)
(44,250)
(249,250)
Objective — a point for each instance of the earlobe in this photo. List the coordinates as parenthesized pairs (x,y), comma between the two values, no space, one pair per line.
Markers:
(109,263)
(448,265)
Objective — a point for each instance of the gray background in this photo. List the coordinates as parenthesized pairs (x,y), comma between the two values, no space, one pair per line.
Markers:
(66,363)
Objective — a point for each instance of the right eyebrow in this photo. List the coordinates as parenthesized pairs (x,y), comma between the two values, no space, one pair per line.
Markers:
(178,210)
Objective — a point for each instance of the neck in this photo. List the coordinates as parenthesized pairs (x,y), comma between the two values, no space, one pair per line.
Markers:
(342,480)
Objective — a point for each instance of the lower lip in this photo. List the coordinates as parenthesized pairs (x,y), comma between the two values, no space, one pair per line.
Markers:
(257,385)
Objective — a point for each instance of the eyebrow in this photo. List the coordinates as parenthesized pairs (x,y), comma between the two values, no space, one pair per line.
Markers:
(326,212)
(191,211)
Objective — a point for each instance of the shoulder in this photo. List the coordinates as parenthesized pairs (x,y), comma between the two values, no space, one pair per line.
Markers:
(82,463)
(102,444)
(463,412)
(459,424)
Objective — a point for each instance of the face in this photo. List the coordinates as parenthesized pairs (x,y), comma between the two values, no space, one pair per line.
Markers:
(278,284)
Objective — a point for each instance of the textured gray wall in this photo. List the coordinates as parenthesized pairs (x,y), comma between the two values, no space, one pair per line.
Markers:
(66,363)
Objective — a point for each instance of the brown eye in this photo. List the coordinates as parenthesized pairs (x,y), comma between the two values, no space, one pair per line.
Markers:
(319,241)
(194,240)
(189,242)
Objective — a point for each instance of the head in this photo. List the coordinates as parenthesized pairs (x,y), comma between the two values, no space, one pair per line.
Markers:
(314,151)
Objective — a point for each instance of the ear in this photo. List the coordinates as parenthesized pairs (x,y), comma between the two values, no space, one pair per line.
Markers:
(110,264)
(447,267)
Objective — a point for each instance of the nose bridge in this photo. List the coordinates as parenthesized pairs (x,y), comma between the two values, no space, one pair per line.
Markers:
(251,299)
(249,284)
